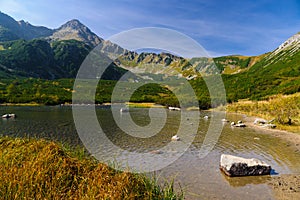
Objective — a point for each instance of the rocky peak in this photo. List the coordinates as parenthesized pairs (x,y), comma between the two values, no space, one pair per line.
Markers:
(74,29)
(292,42)
(74,24)
(22,23)
(286,50)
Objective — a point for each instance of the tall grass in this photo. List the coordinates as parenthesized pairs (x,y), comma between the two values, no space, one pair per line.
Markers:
(40,169)
(283,109)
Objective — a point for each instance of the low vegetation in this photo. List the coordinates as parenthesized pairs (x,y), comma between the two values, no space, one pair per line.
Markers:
(39,169)
(284,109)
(54,92)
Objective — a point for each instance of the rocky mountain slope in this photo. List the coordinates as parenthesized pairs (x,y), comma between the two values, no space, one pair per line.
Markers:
(288,49)
(75,30)
(283,61)
(168,64)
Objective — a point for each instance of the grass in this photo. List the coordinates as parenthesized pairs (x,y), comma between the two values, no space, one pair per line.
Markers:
(284,109)
(143,105)
(40,169)
(21,104)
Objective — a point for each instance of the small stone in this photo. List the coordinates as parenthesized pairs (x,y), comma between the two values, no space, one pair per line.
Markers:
(156,152)
(260,121)
(240,125)
(175,138)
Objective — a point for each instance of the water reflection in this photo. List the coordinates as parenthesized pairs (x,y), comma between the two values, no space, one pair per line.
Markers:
(243,181)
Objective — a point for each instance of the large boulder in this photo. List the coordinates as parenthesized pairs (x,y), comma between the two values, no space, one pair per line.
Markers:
(238,166)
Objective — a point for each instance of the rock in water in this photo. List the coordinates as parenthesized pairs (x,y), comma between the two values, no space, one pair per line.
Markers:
(259,121)
(124,110)
(238,166)
(175,138)
(9,116)
(224,120)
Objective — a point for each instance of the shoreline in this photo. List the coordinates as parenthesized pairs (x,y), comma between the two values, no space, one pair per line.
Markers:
(292,138)
(284,186)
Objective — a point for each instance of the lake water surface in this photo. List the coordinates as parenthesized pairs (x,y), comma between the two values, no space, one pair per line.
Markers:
(200,178)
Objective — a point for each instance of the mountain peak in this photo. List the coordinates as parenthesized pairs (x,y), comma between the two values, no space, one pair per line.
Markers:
(292,41)
(74,29)
(74,23)
(287,49)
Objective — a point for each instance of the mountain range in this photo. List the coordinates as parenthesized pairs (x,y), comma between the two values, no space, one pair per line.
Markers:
(36,51)
(39,52)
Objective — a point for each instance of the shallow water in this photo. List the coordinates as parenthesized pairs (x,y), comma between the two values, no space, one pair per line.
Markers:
(200,178)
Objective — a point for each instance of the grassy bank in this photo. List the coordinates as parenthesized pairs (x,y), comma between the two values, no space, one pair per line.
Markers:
(143,105)
(39,169)
(284,110)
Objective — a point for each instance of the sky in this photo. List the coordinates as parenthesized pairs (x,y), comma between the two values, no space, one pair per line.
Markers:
(222,27)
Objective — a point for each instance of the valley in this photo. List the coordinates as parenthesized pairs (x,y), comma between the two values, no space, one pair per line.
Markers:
(39,66)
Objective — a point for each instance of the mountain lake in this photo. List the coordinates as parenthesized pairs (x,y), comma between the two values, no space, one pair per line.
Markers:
(199,178)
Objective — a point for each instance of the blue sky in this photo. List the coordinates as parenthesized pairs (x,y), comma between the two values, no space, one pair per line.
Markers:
(222,27)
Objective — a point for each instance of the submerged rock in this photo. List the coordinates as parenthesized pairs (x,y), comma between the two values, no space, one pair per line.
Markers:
(238,166)
(6,116)
(156,152)
(269,125)
(224,120)
(124,110)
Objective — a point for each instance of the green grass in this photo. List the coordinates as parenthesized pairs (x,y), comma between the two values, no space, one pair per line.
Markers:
(40,169)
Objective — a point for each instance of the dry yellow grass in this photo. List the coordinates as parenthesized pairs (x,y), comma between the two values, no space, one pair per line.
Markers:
(143,105)
(38,169)
(285,109)
(21,104)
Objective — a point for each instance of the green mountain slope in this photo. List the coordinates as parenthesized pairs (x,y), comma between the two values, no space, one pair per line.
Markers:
(11,29)
(39,59)
(276,72)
